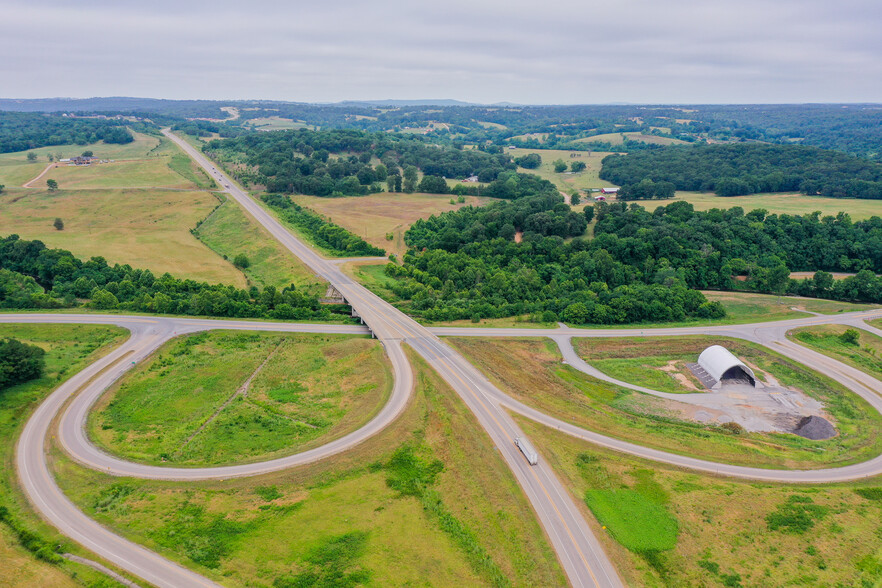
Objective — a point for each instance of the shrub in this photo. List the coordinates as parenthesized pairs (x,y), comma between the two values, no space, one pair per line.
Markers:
(850,337)
(241,261)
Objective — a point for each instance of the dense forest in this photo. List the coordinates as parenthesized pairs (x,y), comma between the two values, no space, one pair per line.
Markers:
(350,163)
(735,170)
(23,131)
(33,276)
(641,266)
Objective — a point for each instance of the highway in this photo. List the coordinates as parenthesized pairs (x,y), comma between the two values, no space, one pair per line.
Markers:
(579,551)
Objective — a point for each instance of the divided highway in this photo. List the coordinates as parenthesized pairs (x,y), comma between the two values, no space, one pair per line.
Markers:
(580,552)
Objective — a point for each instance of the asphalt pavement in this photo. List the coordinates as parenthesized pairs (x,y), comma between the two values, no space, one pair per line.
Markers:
(579,551)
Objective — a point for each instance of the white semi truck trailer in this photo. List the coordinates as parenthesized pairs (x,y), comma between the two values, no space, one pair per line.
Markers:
(528,450)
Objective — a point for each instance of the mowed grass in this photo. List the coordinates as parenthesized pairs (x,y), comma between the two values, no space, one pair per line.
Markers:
(375,216)
(137,173)
(230,231)
(191,403)
(144,228)
(795,204)
(275,123)
(15,169)
(69,348)
(584,180)
(865,355)
(729,532)
(619,138)
(427,501)
(531,370)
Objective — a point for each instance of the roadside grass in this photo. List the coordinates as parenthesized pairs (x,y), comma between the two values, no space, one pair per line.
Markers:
(865,355)
(229,231)
(876,323)
(383,513)
(183,165)
(69,348)
(186,404)
(731,533)
(531,370)
(145,228)
(372,275)
(375,216)
(776,203)
(584,180)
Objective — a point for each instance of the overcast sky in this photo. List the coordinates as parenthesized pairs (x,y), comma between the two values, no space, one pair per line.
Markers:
(542,51)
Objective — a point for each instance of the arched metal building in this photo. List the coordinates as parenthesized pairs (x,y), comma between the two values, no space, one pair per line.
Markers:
(723,367)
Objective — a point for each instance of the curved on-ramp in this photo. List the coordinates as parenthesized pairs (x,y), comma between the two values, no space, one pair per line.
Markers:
(579,550)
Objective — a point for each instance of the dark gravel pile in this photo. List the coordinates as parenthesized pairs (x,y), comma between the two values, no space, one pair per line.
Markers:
(815,428)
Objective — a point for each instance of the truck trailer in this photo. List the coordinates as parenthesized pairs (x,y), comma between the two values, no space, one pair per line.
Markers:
(528,450)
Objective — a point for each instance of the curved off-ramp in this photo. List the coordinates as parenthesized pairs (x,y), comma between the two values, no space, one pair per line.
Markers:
(579,551)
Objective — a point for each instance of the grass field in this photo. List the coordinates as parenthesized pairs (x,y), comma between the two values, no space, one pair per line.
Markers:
(136,173)
(375,216)
(876,323)
(229,231)
(531,370)
(15,169)
(69,348)
(777,203)
(619,138)
(729,533)
(566,182)
(865,355)
(144,228)
(275,123)
(425,502)
(226,397)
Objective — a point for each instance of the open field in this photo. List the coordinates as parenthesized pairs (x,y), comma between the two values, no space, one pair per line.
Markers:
(144,228)
(275,123)
(725,532)
(229,397)
(567,182)
(229,231)
(531,370)
(777,203)
(865,355)
(426,501)
(619,138)
(136,173)
(374,216)
(69,348)
(15,169)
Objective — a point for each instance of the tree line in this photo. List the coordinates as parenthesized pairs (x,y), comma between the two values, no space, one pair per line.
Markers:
(735,170)
(323,233)
(34,276)
(20,131)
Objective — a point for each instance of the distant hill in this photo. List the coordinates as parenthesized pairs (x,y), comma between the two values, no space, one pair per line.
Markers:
(425,102)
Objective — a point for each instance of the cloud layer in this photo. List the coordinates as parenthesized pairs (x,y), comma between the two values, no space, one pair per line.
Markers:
(558,51)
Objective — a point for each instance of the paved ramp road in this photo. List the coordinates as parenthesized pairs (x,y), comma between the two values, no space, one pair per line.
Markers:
(580,552)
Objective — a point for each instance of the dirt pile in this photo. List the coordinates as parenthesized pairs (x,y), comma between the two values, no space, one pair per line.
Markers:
(815,428)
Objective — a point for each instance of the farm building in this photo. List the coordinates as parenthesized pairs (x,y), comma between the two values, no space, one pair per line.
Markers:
(723,367)
(471,179)
(609,190)
(600,198)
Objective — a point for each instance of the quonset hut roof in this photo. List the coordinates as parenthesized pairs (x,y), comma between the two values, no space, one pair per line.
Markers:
(720,364)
